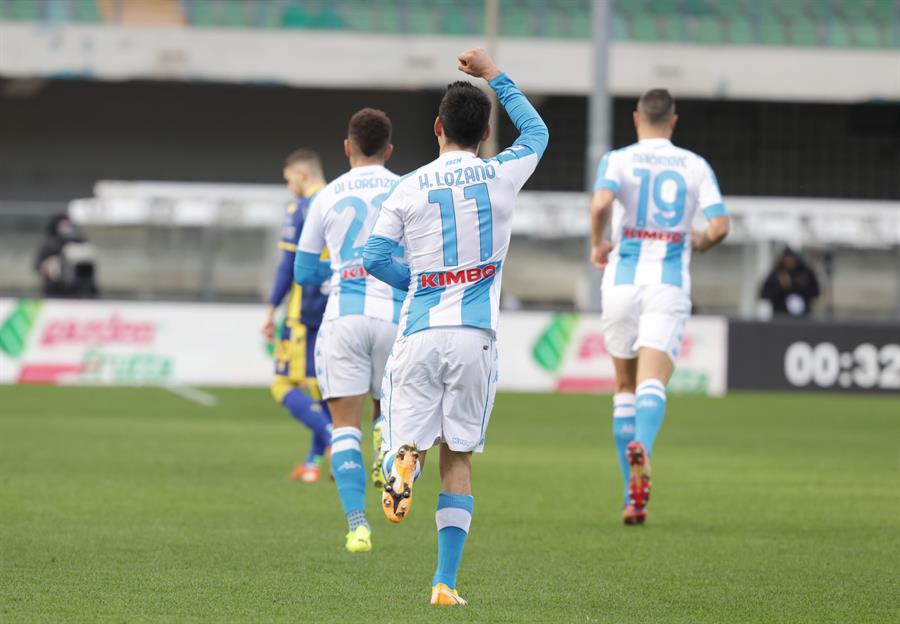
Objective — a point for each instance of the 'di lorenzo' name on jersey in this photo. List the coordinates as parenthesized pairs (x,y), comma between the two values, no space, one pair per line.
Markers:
(457,177)
(355,184)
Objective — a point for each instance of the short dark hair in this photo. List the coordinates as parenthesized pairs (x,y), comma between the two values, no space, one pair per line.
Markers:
(370,131)
(305,156)
(656,106)
(464,112)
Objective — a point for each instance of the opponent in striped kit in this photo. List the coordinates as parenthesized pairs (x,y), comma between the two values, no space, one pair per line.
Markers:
(455,216)
(649,192)
(361,316)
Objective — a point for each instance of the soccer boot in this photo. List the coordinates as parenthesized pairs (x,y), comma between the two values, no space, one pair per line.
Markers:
(443,595)
(633,516)
(377,473)
(397,498)
(307,473)
(638,484)
(359,540)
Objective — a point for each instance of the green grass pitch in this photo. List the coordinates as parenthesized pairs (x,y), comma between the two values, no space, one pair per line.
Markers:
(134,505)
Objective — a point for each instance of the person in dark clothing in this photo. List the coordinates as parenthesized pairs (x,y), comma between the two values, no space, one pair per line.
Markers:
(65,261)
(791,286)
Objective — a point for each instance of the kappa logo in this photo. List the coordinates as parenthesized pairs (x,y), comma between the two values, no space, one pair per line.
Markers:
(647,402)
(627,430)
(348,465)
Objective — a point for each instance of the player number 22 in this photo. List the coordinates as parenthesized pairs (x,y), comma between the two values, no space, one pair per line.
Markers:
(669,213)
(349,250)
(444,199)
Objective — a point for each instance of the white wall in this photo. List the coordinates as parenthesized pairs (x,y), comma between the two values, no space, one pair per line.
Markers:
(334,59)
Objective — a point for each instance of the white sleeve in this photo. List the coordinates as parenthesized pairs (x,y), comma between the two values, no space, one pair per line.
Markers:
(608,175)
(389,223)
(515,164)
(709,198)
(312,236)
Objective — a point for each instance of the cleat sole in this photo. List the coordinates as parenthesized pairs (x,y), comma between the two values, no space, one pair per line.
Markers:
(396,505)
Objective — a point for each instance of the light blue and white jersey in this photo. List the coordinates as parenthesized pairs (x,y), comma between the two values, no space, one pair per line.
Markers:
(341,218)
(658,188)
(455,218)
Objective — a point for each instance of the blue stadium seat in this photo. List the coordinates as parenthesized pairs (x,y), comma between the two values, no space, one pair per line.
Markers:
(838,34)
(673,27)
(772,30)
(740,30)
(643,28)
(295,16)
(803,32)
(709,29)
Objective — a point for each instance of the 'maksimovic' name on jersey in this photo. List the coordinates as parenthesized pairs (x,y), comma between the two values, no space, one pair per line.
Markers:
(658,188)
(342,217)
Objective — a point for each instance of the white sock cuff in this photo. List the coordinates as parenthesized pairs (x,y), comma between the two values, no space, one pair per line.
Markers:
(345,439)
(654,387)
(453,517)
(623,398)
(623,405)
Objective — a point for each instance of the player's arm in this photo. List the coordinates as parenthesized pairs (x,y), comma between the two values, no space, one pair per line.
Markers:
(380,260)
(380,253)
(710,199)
(309,268)
(533,131)
(601,215)
(280,288)
(606,187)
(716,231)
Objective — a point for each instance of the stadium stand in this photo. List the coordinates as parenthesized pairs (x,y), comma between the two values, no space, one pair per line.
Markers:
(838,23)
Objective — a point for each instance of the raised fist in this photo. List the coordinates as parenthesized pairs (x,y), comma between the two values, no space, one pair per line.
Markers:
(476,62)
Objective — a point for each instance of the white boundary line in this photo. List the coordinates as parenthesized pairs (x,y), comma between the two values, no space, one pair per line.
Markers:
(193,394)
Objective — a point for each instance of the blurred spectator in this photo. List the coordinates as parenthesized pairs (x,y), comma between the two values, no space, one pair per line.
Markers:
(65,261)
(791,286)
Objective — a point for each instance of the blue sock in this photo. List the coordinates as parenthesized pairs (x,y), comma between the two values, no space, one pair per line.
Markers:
(349,474)
(310,413)
(650,409)
(320,443)
(321,438)
(623,431)
(453,517)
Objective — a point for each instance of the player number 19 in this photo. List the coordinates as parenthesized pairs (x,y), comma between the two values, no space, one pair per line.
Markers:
(669,213)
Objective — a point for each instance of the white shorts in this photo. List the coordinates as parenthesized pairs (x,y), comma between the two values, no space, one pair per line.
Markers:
(351,352)
(439,387)
(651,315)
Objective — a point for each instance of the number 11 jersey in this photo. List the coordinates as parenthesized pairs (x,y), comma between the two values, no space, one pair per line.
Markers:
(455,217)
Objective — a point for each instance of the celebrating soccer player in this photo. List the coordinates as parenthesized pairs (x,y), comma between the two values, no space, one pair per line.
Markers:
(455,216)
(295,375)
(362,313)
(646,282)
